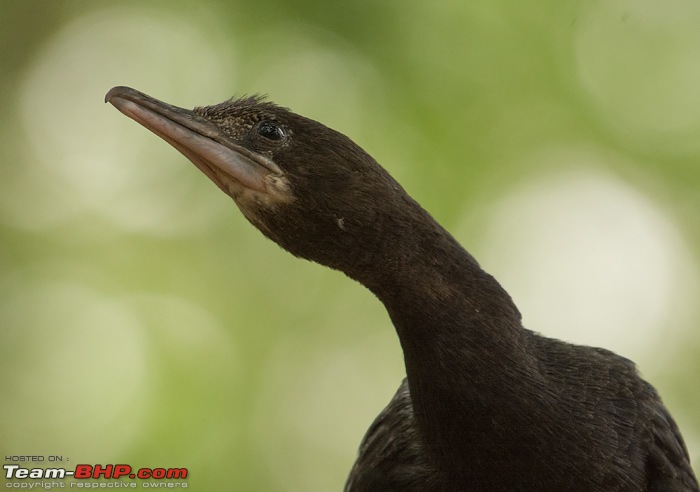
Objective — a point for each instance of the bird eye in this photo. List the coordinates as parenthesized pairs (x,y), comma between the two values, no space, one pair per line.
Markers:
(270,130)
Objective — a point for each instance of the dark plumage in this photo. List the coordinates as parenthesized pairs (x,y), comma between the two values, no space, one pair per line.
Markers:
(487,404)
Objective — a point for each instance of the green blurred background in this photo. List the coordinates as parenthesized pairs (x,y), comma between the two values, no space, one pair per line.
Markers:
(144,321)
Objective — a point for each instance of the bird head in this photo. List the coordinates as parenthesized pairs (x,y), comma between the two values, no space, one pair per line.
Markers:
(305,186)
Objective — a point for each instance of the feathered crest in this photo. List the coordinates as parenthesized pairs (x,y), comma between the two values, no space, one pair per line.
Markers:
(242,103)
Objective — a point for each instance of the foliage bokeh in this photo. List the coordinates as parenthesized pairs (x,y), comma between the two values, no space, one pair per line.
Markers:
(143,321)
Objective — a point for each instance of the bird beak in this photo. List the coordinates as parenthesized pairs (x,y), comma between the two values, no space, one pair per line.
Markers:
(197,138)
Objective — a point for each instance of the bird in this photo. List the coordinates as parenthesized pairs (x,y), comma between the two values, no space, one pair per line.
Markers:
(487,404)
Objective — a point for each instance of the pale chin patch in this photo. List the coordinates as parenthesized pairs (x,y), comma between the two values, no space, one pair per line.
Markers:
(249,201)
(279,190)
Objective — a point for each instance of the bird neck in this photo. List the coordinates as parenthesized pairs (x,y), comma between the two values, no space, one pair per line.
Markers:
(464,348)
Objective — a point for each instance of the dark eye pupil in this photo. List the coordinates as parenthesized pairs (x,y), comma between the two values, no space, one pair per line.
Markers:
(269,130)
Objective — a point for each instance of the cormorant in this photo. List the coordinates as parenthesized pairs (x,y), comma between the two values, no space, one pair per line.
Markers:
(487,405)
